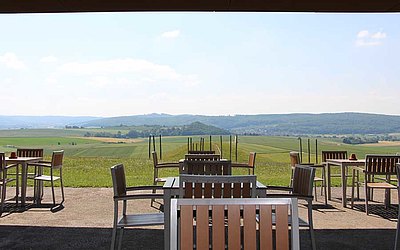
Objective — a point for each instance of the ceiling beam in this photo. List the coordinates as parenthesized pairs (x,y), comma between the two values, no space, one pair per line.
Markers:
(59,6)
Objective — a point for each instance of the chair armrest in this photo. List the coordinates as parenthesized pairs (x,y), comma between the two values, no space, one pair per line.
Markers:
(239,165)
(140,188)
(168,165)
(11,166)
(304,197)
(138,196)
(39,164)
(289,189)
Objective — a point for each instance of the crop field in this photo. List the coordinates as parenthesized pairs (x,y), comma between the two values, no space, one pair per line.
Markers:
(87,161)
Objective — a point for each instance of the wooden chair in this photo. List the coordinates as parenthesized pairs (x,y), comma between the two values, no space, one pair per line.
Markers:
(158,166)
(206,167)
(4,180)
(249,165)
(396,242)
(201,152)
(56,163)
(123,194)
(217,186)
(157,179)
(32,152)
(378,165)
(334,155)
(204,232)
(295,160)
(302,188)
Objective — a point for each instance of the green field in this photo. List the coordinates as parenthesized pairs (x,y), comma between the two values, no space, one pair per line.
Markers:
(87,161)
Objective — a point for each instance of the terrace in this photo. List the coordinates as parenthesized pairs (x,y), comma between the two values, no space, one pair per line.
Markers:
(86,223)
(85,220)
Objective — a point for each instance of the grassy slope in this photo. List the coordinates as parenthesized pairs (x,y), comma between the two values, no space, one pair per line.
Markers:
(88,162)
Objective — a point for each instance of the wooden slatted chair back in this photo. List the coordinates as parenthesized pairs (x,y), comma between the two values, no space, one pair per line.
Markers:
(201,152)
(381,164)
(303,180)
(294,158)
(118,179)
(30,152)
(202,157)
(155,159)
(196,228)
(252,160)
(57,159)
(2,163)
(206,167)
(333,155)
(221,186)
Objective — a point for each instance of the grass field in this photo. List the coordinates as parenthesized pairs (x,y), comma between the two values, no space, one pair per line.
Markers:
(87,161)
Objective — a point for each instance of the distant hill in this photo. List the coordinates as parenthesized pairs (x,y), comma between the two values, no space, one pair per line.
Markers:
(9,122)
(276,124)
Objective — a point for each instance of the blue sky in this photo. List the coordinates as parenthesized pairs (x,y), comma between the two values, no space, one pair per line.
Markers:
(112,64)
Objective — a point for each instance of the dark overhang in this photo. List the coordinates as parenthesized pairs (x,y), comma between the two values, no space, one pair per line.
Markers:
(56,6)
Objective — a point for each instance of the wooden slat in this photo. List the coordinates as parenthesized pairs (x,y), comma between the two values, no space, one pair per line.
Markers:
(266,242)
(208,190)
(249,226)
(234,227)
(217,190)
(246,191)
(198,190)
(202,232)
(218,228)
(227,190)
(237,190)
(188,190)
(282,234)
(186,227)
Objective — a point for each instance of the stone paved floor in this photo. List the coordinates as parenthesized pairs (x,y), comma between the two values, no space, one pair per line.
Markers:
(86,219)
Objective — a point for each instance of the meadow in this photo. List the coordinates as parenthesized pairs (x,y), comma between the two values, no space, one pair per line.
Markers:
(87,161)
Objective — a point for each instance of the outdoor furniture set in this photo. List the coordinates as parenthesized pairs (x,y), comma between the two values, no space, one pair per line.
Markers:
(206,195)
(30,159)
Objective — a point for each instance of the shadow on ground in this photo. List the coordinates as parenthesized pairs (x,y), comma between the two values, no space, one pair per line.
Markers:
(22,237)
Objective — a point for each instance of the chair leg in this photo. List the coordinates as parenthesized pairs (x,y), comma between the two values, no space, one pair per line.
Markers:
(121,233)
(53,194)
(352,188)
(62,188)
(366,198)
(396,242)
(17,184)
(358,185)
(114,232)
(311,226)
(324,182)
(315,191)
(2,189)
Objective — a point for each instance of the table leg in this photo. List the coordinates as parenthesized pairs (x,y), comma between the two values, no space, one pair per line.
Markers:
(328,166)
(344,185)
(167,212)
(24,178)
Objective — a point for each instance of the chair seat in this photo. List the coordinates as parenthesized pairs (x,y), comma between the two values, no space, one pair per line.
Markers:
(46,178)
(383,185)
(141,220)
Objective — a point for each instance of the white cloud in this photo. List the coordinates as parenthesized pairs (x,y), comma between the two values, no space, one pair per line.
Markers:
(10,60)
(48,59)
(366,38)
(363,33)
(379,35)
(171,34)
(123,71)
